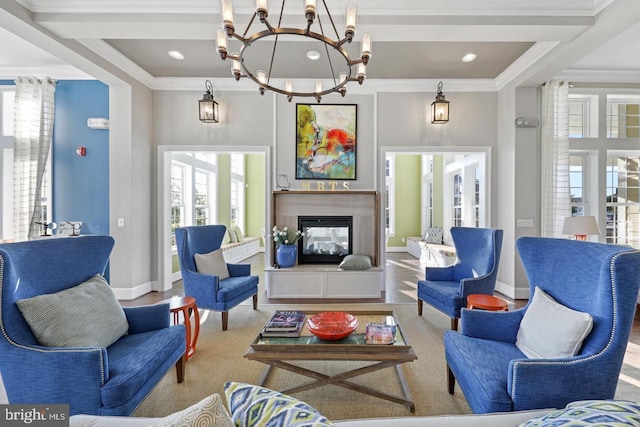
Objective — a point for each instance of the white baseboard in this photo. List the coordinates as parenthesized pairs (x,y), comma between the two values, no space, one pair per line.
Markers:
(511,292)
(396,249)
(127,294)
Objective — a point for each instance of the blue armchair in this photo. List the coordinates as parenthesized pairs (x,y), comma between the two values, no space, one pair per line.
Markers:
(210,292)
(109,380)
(474,272)
(599,279)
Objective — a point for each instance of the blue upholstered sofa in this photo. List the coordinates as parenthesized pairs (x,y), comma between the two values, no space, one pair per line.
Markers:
(95,380)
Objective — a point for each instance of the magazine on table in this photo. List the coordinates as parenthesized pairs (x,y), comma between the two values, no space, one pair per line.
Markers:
(282,321)
(283,333)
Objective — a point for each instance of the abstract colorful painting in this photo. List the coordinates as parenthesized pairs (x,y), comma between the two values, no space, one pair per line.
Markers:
(326,141)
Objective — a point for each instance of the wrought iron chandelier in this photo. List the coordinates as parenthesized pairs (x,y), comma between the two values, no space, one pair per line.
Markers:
(339,75)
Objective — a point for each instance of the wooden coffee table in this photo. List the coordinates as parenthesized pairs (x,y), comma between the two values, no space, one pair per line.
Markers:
(281,352)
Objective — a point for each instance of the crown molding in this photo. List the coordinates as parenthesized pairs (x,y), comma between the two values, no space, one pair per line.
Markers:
(600,76)
(370,86)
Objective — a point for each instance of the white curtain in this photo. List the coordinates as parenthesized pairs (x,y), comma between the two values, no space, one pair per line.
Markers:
(556,197)
(34,113)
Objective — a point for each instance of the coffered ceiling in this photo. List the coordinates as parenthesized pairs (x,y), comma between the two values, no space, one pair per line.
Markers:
(516,42)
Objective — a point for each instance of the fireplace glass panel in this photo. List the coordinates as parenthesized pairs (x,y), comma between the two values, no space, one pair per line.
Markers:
(325,239)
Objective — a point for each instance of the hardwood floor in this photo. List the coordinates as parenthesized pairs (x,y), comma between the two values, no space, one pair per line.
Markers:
(402,274)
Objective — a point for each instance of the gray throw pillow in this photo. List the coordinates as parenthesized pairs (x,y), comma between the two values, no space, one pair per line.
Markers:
(213,264)
(87,315)
(356,262)
(233,237)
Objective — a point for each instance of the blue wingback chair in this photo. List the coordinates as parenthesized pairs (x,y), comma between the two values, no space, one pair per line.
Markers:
(92,380)
(210,292)
(474,272)
(599,279)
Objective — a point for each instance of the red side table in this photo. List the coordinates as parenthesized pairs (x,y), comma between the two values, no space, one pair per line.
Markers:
(487,302)
(186,305)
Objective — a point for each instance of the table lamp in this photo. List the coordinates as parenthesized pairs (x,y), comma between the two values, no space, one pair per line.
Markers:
(580,226)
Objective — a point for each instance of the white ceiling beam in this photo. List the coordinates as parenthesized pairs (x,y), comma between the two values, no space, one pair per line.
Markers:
(395,29)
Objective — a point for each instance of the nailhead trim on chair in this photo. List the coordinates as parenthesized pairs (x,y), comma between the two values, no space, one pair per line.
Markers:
(593,356)
(4,333)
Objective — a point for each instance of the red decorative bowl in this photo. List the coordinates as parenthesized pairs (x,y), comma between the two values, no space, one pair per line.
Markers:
(332,325)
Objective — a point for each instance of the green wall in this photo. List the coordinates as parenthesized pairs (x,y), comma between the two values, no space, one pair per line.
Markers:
(407,206)
(438,190)
(255,195)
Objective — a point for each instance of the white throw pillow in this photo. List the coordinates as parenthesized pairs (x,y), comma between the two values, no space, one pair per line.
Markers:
(208,412)
(550,330)
(87,315)
(212,263)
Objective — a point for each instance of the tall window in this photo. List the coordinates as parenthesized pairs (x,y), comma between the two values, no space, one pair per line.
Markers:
(457,200)
(616,202)
(476,198)
(623,202)
(577,184)
(7,215)
(177,198)
(201,197)
(390,196)
(193,181)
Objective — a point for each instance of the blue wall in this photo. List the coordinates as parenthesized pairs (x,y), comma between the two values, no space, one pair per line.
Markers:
(81,184)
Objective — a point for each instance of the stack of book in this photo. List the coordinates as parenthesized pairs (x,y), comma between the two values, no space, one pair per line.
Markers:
(284,324)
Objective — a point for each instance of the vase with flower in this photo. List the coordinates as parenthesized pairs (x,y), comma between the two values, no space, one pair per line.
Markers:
(286,249)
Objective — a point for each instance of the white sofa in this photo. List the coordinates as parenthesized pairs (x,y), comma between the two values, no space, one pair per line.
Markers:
(507,419)
(212,412)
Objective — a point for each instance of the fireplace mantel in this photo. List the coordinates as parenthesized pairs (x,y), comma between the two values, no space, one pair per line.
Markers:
(363,206)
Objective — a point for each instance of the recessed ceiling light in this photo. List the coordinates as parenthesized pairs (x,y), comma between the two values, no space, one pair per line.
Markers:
(469,57)
(176,55)
(313,55)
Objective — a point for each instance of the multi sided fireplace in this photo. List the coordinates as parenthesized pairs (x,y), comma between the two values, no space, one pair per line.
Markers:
(325,239)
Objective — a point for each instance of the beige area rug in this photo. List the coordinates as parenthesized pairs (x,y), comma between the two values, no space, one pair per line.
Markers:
(219,358)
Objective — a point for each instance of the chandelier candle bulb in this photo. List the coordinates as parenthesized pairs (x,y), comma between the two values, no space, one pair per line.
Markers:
(227,16)
(366,47)
(221,38)
(362,72)
(262,76)
(350,29)
(262,9)
(310,10)
(235,67)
